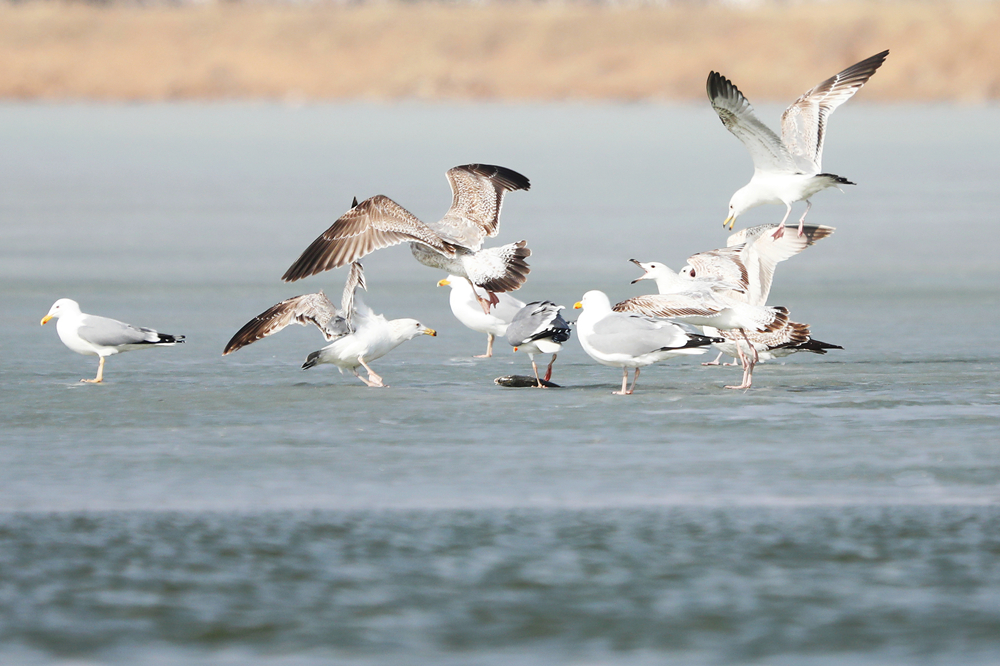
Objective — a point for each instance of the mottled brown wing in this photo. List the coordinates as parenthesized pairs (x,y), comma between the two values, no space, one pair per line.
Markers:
(667,305)
(371,225)
(307,309)
(477,197)
(725,264)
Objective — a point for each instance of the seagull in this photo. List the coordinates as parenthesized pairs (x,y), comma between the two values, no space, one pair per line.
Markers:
(315,309)
(538,328)
(465,299)
(454,243)
(625,340)
(703,302)
(748,261)
(99,336)
(788,169)
(359,335)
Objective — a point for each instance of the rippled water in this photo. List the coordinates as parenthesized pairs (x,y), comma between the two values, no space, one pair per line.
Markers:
(205,510)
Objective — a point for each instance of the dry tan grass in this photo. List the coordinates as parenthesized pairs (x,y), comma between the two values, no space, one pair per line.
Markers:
(940,51)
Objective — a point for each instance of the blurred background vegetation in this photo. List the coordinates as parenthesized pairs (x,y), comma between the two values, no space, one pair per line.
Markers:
(511,50)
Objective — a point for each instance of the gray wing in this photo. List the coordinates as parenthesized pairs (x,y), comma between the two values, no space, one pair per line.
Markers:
(307,309)
(635,335)
(536,320)
(113,333)
(766,149)
(477,197)
(371,225)
(803,124)
(355,280)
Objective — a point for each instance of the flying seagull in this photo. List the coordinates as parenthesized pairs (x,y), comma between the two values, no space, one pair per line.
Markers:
(453,244)
(786,169)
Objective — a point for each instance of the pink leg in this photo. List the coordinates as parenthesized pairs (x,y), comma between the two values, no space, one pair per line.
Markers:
(548,370)
(809,204)
(780,231)
(489,347)
(624,390)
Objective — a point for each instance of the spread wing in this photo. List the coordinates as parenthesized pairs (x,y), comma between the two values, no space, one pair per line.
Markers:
(761,253)
(477,196)
(307,309)
(726,265)
(371,225)
(670,305)
(735,112)
(803,124)
(355,279)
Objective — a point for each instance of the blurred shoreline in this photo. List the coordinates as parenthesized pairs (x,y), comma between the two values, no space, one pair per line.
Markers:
(940,51)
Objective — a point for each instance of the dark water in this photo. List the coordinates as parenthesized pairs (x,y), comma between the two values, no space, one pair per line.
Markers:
(205,510)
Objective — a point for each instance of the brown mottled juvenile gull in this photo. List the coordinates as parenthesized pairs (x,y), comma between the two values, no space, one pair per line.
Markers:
(453,244)
(787,169)
(359,335)
(99,336)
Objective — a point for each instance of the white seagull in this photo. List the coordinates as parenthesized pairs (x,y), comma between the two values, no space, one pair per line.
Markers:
(453,244)
(624,340)
(704,302)
(786,169)
(359,335)
(99,336)
(465,305)
(538,328)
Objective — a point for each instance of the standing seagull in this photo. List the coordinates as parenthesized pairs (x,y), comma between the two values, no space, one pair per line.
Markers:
(464,301)
(359,335)
(625,340)
(788,169)
(100,336)
(453,244)
(538,328)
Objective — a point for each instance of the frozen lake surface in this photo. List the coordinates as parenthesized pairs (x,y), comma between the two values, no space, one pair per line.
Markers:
(197,509)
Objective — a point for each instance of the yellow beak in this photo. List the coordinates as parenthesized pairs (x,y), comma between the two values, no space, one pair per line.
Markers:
(731,220)
(430,331)
(444,282)
(577,305)
(46,319)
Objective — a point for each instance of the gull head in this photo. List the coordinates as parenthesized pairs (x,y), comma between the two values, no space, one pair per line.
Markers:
(742,200)
(61,307)
(594,300)
(407,329)
(654,270)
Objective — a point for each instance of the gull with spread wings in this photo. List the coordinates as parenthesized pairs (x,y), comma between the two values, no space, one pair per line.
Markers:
(358,335)
(453,244)
(787,169)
